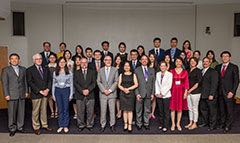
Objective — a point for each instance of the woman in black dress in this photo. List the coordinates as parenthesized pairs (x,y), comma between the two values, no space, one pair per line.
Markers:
(127,84)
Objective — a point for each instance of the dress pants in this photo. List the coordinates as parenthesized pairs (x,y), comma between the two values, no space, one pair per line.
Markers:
(39,108)
(226,111)
(164,111)
(85,106)
(143,110)
(62,99)
(16,113)
(110,103)
(208,110)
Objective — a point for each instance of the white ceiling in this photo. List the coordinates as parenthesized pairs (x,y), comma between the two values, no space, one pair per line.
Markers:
(130,1)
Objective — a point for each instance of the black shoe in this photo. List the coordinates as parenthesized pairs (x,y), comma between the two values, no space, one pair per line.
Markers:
(22,131)
(139,127)
(129,131)
(90,129)
(147,127)
(80,129)
(125,129)
(11,134)
(202,125)
(112,128)
(226,130)
(102,129)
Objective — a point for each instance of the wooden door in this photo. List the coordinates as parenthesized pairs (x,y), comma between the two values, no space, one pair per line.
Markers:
(3,63)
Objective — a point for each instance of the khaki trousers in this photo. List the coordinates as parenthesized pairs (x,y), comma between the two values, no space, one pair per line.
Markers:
(39,109)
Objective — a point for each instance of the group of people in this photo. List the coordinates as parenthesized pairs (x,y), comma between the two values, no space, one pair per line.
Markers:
(129,86)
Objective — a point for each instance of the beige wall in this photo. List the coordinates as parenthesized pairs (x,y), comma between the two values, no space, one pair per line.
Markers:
(89,26)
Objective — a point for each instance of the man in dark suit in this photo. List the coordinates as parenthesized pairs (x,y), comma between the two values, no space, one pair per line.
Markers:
(174,52)
(89,55)
(144,93)
(106,52)
(46,53)
(228,74)
(15,90)
(122,52)
(157,51)
(209,84)
(134,59)
(84,83)
(39,80)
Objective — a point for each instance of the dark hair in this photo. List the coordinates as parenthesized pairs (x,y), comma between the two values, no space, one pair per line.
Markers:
(134,51)
(206,58)
(155,62)
(14,54)
(187,41)
(97,51)
(131,70)
(211,51)
(140,46)
(52,54)
(156,39)
(64,54)
(88,48)
(63,44)
(226,52)
(197,51)
(58,67)
(174,38)
(46,42)
(79,46)
(195,59)
(122,43)
(75,59)
(105,42)
(146,57)
(178,58)
(116,59)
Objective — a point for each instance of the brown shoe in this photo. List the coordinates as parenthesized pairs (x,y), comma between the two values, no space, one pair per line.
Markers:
(37,132)
(48,129)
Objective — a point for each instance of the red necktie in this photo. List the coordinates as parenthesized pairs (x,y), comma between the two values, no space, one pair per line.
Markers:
(223,70)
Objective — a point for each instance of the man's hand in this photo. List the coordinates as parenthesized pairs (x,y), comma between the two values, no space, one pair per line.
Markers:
(106,92)
(230,95)
(7,98)
(139,97)
(210,97)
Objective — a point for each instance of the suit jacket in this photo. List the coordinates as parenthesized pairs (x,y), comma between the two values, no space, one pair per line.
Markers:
(177,53)
(93,65)
(13,85)
(45,61)
(35,81)
(137,65)
(209,83)
(165,86)
(108,54)
(230,81)
(145,88)
(80,83)
(160,56)
(111,84)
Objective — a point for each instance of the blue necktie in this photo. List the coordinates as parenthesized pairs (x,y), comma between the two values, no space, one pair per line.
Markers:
(145,73)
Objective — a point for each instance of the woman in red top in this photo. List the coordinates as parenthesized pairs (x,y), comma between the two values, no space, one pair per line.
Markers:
(178,101)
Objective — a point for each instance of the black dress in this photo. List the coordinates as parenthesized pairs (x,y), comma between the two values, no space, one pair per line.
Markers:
(127,100)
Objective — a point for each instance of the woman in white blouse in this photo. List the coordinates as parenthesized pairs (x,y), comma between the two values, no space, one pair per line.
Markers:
(163,87)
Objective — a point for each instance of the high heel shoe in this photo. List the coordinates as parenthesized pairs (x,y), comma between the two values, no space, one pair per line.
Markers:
(173,128)
(130,128)
(179,128)
(125,127)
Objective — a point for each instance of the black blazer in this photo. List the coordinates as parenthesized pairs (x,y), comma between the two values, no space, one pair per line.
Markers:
(230,81)
(160,56)
(108,54)
(45,60)
(93,65)
(35,81)
(209,83)
(80,83)
(177,53)
(138,64)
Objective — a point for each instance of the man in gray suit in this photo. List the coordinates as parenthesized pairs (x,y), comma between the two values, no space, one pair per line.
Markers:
(15,91)
(144,93)
(107,81)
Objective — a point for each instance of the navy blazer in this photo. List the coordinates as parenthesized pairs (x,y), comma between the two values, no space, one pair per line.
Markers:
(160,56)
(176,55)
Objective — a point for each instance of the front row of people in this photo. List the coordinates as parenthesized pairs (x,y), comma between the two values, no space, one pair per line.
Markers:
(175,90)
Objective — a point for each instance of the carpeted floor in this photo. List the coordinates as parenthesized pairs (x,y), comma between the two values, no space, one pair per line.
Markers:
(119,125)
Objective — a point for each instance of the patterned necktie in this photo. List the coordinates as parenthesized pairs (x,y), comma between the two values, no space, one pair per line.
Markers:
(145,73)
(40,71)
